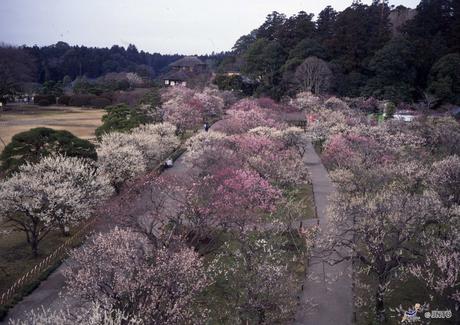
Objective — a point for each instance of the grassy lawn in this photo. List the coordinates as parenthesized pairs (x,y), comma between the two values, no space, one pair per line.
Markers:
(302,200)
(304,196)
(81,122)
(16,257)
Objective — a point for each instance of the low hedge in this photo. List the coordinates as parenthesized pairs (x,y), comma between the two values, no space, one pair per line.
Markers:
(81,100)
(100,102)
(89,100)
(45,100)
(63,100)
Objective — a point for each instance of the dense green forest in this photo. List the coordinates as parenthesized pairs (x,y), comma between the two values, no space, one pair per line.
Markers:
(399,54)
(60,62)
(363,51)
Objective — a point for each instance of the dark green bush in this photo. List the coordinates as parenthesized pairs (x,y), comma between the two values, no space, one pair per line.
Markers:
(121,118)
(81,100)
(100,102)
(49,98)
(30,146)
(64,100)
(44,102)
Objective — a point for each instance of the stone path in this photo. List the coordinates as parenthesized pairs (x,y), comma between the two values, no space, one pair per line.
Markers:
(329,288)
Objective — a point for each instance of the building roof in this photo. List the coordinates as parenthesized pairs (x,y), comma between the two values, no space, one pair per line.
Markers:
(188,61)
(176,76)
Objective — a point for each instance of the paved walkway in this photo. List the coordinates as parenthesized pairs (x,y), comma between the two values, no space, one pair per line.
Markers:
(329,288)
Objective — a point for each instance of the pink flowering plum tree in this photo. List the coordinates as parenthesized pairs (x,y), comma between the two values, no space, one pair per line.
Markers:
(183,115)
(240,121)
(242,197)
(211,105)
(186,108)
(270,157)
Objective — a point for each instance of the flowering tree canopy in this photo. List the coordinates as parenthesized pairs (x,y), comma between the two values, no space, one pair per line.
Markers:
(94,314)
(56,192)
(120,163)
(123,156)
(122,270)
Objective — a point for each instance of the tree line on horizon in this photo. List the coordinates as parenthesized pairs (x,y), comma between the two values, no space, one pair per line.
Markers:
(355,52)
(61,62)
(364,54)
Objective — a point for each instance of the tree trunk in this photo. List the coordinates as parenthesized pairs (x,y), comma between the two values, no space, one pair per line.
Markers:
(34,246)
(379,302)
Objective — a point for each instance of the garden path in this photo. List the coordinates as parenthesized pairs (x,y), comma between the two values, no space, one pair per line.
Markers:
(329,288)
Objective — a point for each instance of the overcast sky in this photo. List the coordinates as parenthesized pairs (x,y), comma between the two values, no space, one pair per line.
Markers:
(165,26)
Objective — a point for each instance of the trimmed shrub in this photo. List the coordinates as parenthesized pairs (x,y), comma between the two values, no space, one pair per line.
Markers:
(44,102)
(100,102)
(63,100)
(30,146)
(81,100)
(50,99)
(121,118)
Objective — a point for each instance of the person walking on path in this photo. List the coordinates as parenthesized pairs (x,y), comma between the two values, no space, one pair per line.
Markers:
(206,126)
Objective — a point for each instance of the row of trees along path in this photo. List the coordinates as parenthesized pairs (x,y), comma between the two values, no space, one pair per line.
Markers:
(50,293)
(328,287)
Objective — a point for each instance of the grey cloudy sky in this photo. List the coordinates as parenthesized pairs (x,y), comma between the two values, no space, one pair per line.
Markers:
(165,26)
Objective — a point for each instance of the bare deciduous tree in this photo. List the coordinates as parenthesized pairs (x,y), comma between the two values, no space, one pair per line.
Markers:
(313,75)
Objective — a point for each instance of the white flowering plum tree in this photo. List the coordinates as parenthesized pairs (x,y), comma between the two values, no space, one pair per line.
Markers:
(58,191)
(123,270)
(120,161)
(444,178)
(253,272)
(378,231)
(92,314)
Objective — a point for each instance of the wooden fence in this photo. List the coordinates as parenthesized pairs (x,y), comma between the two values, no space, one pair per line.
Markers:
(59,254)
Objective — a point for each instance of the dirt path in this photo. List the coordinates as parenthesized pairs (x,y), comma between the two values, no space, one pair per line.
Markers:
(328,287)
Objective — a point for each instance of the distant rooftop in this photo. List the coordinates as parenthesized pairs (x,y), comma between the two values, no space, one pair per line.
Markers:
(177,76)
(188,61)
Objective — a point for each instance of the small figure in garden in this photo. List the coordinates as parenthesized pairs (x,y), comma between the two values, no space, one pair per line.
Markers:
(206,126)
(168,163)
